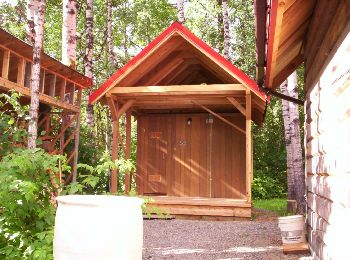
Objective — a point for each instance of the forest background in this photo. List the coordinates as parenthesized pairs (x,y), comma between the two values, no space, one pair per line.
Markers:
(134,25)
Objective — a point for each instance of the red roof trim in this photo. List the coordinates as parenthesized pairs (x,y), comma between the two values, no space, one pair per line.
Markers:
(176,26)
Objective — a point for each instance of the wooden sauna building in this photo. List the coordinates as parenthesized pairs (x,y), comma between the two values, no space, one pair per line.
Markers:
(193,110)
(59,98)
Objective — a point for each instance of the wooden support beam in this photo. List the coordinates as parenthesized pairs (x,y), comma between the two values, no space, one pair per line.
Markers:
(76,142)
(248,146)
(237,105)
(68,140)
(6,84)
(42,81)
(128,104)
(63,90)
(52,86)
(115,142)
(113,108)
(5,64)
(220,117)
(64,128)
(176,90)
(21,71)
(128,149)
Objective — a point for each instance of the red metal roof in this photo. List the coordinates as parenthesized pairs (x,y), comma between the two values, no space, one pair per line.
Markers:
(189,36)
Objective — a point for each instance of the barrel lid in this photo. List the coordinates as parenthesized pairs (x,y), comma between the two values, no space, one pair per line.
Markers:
(99,200)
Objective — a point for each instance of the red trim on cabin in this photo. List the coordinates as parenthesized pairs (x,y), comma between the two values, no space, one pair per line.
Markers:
(270,40)
(176,26)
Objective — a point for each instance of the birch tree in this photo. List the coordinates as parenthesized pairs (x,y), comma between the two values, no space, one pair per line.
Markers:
(38,22)
(112,58)
(69,39)
(226,23)
(30,31)
(180,11)
(295,168)
(88,57)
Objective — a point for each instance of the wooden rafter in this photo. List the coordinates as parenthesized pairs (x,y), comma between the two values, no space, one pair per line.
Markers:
(237,105)
(218,116)
(177,90)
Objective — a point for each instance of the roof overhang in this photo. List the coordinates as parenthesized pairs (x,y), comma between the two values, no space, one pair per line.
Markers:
(281,26)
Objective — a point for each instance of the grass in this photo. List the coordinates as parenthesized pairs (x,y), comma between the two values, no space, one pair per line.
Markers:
(278,206)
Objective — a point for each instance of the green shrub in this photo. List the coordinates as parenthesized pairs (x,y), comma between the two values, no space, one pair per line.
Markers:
(266,187)
(27,208)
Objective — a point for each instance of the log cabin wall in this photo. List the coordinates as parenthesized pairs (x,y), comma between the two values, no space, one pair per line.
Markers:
(191,155)
(327,128)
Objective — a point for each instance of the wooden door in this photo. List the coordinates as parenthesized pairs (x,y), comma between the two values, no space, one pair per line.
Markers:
(190,156)
(155,156)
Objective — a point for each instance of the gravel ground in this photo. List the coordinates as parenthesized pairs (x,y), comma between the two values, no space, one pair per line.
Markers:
(192,239)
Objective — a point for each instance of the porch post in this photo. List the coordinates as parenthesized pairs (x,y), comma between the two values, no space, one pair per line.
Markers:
(127,149)
(248,146)
(115,128)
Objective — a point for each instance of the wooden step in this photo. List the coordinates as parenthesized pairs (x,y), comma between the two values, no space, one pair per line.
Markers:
(193,206)
(298,248)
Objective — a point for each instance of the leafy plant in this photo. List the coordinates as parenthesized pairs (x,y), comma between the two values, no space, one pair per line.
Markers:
(28,183)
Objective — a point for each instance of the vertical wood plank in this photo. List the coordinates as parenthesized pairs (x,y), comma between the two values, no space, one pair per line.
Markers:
(127,149)
(196,146)
(21,71)
(139,158)
(248,146)
(53,86)
(63,90)
(5,64)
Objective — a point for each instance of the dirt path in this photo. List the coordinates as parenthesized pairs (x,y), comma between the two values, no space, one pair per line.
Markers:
(191,239)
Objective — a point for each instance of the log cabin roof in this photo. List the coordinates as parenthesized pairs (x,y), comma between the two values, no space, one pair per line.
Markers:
(172,63)
(281,27)
(18,46)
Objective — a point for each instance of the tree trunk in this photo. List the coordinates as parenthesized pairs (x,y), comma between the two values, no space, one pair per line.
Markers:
(112,58)
(39,20)
(226,30)
(88,58)
(69,38)
(220,27)
(32,5)
(180,11)
(295,168)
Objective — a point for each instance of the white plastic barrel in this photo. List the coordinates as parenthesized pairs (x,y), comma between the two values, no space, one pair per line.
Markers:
(292,229)
(98,227)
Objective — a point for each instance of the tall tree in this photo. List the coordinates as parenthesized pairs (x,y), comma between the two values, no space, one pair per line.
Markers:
(39,20)
(112,58)
(180,11)
(295,168)
(88,57)
(30,31)
(69,39)
(226,23)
